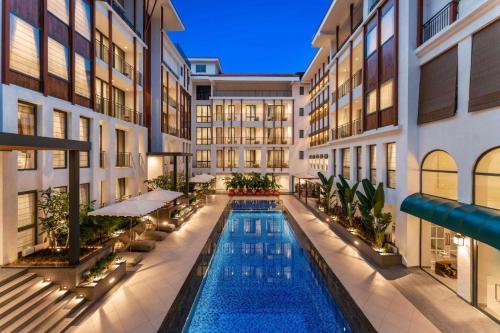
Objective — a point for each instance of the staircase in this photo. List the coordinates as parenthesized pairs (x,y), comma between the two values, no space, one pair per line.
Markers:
(30,304)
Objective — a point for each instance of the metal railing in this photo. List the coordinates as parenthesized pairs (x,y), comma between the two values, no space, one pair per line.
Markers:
(202,164)
(118,111)
(118,6)
(344,131)
(446,16)
(277,165)
(102,51)
(237,140)
(252,164)
(123,160)
(122,66)
(253,93)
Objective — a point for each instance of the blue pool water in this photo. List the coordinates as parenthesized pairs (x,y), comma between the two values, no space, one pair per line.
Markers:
(260,280)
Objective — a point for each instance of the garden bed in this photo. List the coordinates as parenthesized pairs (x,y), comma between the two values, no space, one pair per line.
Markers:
(97,288)
(49,256)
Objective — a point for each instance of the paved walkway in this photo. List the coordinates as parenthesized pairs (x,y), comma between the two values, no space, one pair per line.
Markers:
(141,302)
(397,299)
(384,306)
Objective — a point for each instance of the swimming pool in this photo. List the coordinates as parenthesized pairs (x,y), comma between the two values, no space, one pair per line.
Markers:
(261,280)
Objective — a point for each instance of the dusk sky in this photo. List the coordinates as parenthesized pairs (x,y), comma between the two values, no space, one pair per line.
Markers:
(256,36)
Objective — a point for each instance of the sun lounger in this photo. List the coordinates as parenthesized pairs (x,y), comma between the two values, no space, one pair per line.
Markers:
(144,234)
(139,245)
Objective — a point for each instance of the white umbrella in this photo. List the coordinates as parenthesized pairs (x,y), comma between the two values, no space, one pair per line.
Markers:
(203,178)
(134,207)
(160,195)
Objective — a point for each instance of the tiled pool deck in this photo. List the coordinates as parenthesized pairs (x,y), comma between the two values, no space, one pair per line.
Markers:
(140,303)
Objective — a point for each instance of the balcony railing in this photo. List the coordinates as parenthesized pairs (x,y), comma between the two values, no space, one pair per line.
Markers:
(344,131)
(123,160)
(203,164)
(237,140)
(118,6)
(118,111)
(446,16)
(252,164)
(122,66)
(277,165)
(253,93)
(102,51)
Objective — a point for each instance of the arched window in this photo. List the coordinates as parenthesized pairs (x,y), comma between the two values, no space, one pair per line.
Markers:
(440,175)
(487,180)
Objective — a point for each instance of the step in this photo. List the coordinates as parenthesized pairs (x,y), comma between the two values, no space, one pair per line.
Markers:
(57,316)
(9,274)
(39,314)
(71,318)
(25,296)
(16,282)
(18,312)
(19,292)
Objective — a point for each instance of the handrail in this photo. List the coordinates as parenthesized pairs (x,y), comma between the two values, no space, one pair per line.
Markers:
(123,160)
(252,93)
(444,17)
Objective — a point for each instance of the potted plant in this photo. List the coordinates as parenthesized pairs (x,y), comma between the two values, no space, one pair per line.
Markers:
(256,183)
(275,186)
(266,185)
(327,191)
(347,194)
(239,182)
(230,185)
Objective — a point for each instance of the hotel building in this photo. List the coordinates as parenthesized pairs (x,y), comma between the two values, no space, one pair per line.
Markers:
(247,123)
(406,93)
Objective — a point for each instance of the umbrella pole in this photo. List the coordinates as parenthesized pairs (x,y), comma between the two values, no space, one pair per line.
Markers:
(130,231)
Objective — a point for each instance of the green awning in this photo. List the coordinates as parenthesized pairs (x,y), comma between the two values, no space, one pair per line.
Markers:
(473,221)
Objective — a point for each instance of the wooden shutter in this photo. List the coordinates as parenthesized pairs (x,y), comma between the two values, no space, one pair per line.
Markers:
(485,69)
(438,88)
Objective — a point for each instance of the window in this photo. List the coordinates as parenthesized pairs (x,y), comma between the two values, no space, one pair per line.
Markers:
(26,125)
(60,9)
(301,112)
(219,116)
(59,131)
(58,59)
(440,175)
(371,41)
(334,166)
(85,194)
(301,155)
(121,189)
(387,27)
(203,136)
(24,47)
(487,180)
(201,68)
(251,113)
(84,136)
(301,134)
(488,289)
(26,220)
(82,18)
(251,135)
(359,164)
(203,93)
(391,165)
(301,91)
(82,76)
(122,157)
(373,164)
(346,163)
(386,95)
(203,159)
(371,102)
(251,159)
(203,114)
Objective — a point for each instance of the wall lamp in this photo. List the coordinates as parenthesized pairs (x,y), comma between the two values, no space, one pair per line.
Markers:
(459,240)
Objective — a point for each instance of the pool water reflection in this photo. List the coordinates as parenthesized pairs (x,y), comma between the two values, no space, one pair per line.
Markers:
(260,280)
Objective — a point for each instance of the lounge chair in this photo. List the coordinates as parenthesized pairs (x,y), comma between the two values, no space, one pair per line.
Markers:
(165,227)
(145,234)
(138,245)
(131,258)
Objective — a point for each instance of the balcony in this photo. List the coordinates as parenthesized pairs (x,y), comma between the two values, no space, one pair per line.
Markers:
(252,164)
(202,164)
(278,141)
(102,52)
(119,7)
(118,111)
(344,131)
(443,18)
(123,160)
(253,93)
(277,165)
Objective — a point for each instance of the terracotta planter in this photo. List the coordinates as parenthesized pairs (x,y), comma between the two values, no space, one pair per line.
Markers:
(240,192)
(267,192)
(257,193)
(249,193)
(276,193)
(230,192)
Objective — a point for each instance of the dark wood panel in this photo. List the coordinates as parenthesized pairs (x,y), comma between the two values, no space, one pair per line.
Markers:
(387,117)
(27,10)
(83,101)
(371,72)
(371,121)
(58,30)
(82,46)
(387,61)
(24,80)
(58,87)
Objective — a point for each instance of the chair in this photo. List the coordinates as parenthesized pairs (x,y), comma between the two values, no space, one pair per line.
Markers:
(138,245)
(144,234)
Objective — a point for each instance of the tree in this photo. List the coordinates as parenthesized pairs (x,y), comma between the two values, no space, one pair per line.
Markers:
(55,221)
(327,190)
(347,194)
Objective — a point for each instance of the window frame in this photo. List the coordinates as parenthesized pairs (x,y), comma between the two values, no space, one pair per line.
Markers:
(388,169)
(65,137)
(35,114)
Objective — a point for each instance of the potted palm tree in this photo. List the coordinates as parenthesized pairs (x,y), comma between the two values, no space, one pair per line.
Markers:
(256,183)
(275,186)
(266,185)
(230,185)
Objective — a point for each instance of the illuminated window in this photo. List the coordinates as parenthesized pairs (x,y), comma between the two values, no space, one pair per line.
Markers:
(59,131)
(58,59)
(26,125)
(84,194)
(346,163)
(204,136)
(371,102)
(386,95)
(82,76)
(391,165)
(203,158)
(487,180)
(26,220)
(359,164)
(84,136)
(82,18)
(203,113)
(60,9)
(440,175)
(24,47)
(373,164)
(371,41)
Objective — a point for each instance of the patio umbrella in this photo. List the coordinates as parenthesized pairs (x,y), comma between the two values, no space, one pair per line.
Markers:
(160,195)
